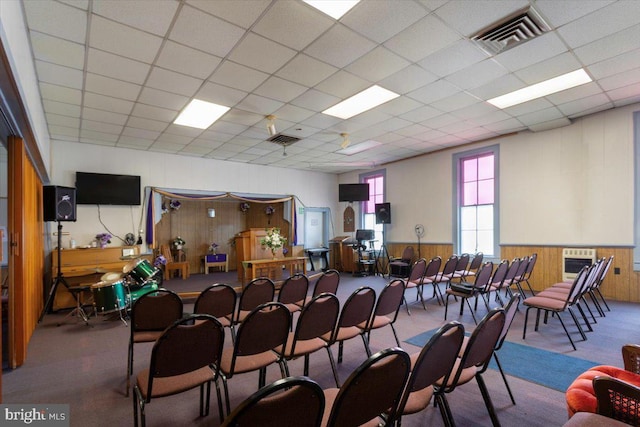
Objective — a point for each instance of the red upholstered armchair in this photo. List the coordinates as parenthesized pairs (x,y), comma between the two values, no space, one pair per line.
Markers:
(580,395)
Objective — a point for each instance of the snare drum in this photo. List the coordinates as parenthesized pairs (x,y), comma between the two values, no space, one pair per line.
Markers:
(133,296)
(140,271)
(111,276)
(109,296)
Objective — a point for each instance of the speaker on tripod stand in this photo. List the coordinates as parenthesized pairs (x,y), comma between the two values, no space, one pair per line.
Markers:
(383,216)
(59,204)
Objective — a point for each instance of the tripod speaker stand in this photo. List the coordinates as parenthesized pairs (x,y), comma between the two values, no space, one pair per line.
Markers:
(75,291)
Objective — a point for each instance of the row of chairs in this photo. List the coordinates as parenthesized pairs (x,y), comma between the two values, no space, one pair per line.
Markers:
(388,385)
(264,336)
(565,296)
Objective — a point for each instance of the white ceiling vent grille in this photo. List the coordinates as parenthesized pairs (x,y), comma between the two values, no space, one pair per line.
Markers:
(282,139)
(511,31)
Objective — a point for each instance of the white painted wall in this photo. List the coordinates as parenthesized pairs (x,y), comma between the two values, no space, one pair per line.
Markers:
(179,172)
(568,186)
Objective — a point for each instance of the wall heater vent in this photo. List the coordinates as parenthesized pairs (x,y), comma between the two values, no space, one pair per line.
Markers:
(573,259)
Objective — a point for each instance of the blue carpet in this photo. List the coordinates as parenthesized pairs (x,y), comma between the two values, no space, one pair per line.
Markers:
(546,368)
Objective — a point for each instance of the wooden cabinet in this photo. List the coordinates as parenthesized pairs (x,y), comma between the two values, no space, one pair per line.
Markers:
(248,248)
(342,254)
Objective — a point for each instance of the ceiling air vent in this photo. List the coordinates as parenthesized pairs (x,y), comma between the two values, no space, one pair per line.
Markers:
(284,140)
(511,31)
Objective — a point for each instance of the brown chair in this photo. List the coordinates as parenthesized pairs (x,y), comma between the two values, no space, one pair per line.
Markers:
(430,274)
(218,300)
(373,389)
(476,263)
(317,319)
(435,361)
(327,282)
(631,357)
(293,292)
(173,264)
(520,275)
(151,314)
(498,282)
(474,362)
(447,273)
(258,291)
(354,318)
(461,267)
(464,290)
(401,267)
(288,402)
(259,337)
(184,357)
(618,399)
(386,309)
(414,280)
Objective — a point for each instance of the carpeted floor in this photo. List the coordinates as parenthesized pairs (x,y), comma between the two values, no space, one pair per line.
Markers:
(546,368)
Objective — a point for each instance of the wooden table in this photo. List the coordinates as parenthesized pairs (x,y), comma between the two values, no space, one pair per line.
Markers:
(253,269)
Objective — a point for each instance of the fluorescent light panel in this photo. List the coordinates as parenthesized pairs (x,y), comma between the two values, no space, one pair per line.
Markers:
(333,8)
(538,90)
(361,102)
(200,114)
(359,148)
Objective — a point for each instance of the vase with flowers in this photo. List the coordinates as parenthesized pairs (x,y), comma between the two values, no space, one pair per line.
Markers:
(103,239)
(213,248)
(273,240)
(179,242)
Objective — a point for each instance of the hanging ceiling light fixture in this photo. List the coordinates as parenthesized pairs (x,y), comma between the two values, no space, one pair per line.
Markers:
(345,140)
(271,125)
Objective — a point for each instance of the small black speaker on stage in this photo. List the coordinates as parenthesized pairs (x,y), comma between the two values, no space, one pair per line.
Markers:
(59,203)
(383,213)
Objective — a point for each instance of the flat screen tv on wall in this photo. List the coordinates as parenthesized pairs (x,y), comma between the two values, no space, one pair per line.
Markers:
(353,192)
(107,189)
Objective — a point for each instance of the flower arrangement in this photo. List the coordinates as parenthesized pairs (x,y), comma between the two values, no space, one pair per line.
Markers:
(160,260)
(164,208)
(175,204)
(269,210)
(179,242)
(103,239)
(213,247)
(244,206)
(273,240)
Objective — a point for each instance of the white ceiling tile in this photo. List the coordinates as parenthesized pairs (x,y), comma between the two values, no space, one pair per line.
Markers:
(561,64)
(154,113)
(440,121)
(574,93)
(389,20)
(621,79)
(408,79)
(62,108)
(601,23)
(222,127)
(458,56)
(185,60)
(477,74)
(173,82)
(46,17)
(434,91)
(626,61)
(243,118)
(497,87)
(342,84)
(132,142)
(146,124)
(412,43)
(118,67)
(194,149)
(172,101)
(340,46)
(122,40)
(528,107)
(204,32)
(111,87)
(58,120)
(242,13)
(625,95)
(101,127)
(60,93)
(57,50)
(535,50)
(154,17)
(251,52)
(315,100)
(107,103)
(540,116)
(104,116)
(292,113)
(61,131)
(187,132)
(100,138)
(238,76)
(145,134)
(259,104)
(377,64)
(399,106)
(292,23)
(221,95)
(306,70)
(509,125)
(280,89)
(421,114)
(59,75)
(585,104)
(80,4)
(493,117)
(455,102)
(469,17)
(558,13)
(610,46)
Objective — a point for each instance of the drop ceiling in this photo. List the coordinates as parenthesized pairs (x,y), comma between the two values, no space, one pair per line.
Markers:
(117,73)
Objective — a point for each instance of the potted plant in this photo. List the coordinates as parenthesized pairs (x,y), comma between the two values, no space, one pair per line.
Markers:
(179,242)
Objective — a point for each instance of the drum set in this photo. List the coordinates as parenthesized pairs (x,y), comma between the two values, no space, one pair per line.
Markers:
(116,292)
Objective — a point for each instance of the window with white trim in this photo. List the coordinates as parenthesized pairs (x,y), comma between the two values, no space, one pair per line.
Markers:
(376,181)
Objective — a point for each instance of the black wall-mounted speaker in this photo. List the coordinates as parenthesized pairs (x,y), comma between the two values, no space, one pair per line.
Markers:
(59,203)
(383,213)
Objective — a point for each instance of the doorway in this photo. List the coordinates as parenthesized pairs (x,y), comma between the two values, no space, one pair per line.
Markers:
(316,230)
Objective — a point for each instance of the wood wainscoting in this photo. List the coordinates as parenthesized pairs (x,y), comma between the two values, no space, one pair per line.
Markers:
(624,286)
